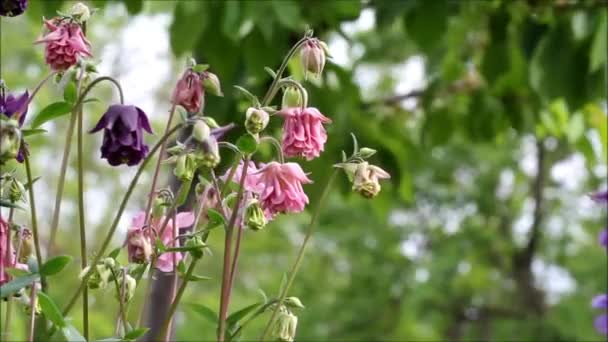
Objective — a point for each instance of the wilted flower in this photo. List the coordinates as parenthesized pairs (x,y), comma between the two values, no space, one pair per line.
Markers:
(256,120)
(601,322)
(365,178)
(65,43)
(122,136)
(303,132)
(285,326)
(312,54)
(139,247)
(282,188)
(80,12)
(12,8)
(165,261)
(189,92)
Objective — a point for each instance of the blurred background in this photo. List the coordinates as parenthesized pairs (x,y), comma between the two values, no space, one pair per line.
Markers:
(489,115)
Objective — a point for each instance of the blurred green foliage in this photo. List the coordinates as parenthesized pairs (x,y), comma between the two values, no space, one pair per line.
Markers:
(507,82)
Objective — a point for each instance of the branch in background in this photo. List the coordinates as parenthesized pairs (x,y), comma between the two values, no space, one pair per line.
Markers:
(537,193)
(394,99)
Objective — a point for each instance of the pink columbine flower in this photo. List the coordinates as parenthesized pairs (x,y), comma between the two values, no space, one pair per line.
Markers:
(252,180)
(189,92)
(281,186)
(165,261)
(139,246)
(303,132)
(65,42)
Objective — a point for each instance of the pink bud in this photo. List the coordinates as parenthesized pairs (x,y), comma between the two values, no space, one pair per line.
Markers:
(189,93)
(312,54)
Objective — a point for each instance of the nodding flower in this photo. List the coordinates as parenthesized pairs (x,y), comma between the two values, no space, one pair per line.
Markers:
(303,132)
(65,43)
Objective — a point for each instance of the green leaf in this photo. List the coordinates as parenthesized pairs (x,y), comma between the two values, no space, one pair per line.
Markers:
(160,245)
(247,143)
(195,277)
(17,284)
(599,47)
(32,131)
(576,128)
(215,218)
(69,92)
(426,22)
(182,33)
(238,315)
(200,67)
(135,334)
(114,253)
(72,334)
(55,265)
(287,13)
(205,312)
(9,204)
(50,112)
(51,311)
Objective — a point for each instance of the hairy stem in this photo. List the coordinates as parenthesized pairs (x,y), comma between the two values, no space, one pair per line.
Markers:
(28,171)
(226,275)
(296,265)
(114,225)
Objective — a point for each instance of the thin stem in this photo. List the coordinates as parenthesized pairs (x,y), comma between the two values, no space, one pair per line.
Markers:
(175,278)
(277,145)
(114,225)
(34,93)
(237,249)
(225,295)
(297,263)
(216,186)
(33,304)
(86,91)
(83,237)
(157,168)
(272,91)
(62,172)
(28,171)
(178,296)
(120,291)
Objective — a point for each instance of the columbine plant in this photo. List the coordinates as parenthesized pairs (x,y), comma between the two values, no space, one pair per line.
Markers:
(249,194)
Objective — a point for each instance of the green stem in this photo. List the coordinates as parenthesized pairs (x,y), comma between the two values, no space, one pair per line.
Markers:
(277,145)
(86,90)
(28,171)
(226,274)
(121,300)
(33,304)
(178,297)
(272,90)
(114,225)
(83,238)
(298,262)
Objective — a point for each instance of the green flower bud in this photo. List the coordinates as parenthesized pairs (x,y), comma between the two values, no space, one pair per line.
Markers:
(366,152)
(201,131)
(211,83)
(254,216)
(184,167)
(294,302)
(256,120)
(10,139)
(285,326)
(292,97)
(210,155)
(197,245)
(130,284)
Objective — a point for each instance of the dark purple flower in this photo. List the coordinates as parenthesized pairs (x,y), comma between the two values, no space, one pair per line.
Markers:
(122,135)
(11,8)
(15,105)
(600,196)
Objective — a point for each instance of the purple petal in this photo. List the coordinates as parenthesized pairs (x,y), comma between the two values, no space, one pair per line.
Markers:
(600,302)
(601,324)
(143,120)
(600,196)
(603,238)
(107,120)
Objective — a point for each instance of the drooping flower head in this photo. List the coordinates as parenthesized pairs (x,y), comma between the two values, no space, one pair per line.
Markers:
(189,92)
(165,262)
(365,177)
(13,109)
(281,188)
(122,135)
(312,54)
(139,247)
(252,179)
(601,322)
(303,132)
(12,8)
(12,106)
(65,43)
(600,196)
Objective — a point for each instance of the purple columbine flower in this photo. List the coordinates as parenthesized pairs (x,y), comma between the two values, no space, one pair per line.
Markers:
(600,196)
(122,135)
(10,106)
(12,8)
(603,237)
(601,322)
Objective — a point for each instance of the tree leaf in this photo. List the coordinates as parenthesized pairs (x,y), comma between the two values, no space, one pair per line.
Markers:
(247,143)
(55,265)
(183,34)
(51,311)
(50,112)
(17,284)
(205,312)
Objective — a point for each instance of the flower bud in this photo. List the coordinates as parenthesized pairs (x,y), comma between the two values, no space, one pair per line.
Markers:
(80,12)
(201,131)
(366,152)
(254,216)
(10,139)
(312,54)
(292,97)
(294,302)
(211,83)
(196,244)
(11,188)
(366,178)
(210,154)
(256,120)
(285,326)
(184,167)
